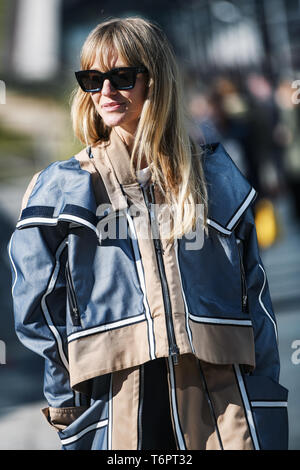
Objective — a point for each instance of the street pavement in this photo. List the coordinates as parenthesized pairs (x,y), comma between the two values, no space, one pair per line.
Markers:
(22,425)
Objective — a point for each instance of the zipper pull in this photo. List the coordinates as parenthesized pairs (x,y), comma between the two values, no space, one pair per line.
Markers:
(245,300)
(174,353)
(158,246)
(76,317)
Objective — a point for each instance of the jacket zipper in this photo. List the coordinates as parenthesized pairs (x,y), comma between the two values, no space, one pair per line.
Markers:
(173,348)
(243,280)
(75,317)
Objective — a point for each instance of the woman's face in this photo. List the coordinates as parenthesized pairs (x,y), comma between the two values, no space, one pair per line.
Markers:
(120,107)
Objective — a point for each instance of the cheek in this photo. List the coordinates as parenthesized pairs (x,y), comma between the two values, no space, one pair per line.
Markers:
(95,97)
(138,98)
(143,93)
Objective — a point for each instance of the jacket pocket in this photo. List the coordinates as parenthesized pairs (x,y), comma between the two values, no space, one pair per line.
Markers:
(268,404)
(244,293)
(74,311)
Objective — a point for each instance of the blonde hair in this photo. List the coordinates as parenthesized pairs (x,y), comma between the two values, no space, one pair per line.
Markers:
(161,135)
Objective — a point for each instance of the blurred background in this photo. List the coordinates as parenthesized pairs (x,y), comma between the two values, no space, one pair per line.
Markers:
(240,61)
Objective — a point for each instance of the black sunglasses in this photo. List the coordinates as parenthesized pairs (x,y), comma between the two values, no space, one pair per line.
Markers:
(121,78)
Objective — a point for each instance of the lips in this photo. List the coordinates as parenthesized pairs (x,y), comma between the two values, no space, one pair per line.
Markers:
(112,105)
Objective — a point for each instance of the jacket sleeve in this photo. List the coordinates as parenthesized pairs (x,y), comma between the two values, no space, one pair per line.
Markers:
(37,257)
(264,397)
(259,301)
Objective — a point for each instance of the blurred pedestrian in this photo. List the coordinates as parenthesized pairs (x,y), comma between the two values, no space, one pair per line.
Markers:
(288,134)
(229,114)
(165,341)
(265,151)
(202,127)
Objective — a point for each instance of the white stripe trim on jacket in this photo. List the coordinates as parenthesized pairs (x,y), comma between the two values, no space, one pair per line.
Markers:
(106,327)
(227,230)
(247,407)
(91,427)
(178,431)
(262,304)
(242,209)
(110,414)
(220,321)
(13,265)
(54,220)
(269,404)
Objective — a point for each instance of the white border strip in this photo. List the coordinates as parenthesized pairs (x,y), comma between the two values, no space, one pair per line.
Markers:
(70,440)
(220,321)
(229,227)
(187,314)
(77,398)
(36,220)
(13,265)
(243,207)
(262,305)
(54,220)
(247,407)
(44,307)
(218,227)
(106,327)
(269,404)
(110,415)
(140,272)
(140,406)
(174,407)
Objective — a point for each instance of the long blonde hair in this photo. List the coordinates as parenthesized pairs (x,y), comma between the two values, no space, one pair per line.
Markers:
(161,136)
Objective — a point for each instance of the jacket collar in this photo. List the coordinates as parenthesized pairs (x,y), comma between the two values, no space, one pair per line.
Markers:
(229,192)
(51,201)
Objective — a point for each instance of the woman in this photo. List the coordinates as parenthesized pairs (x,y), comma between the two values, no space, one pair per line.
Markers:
(153,338)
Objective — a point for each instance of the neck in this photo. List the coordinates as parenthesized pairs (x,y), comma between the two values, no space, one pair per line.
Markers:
(128,139)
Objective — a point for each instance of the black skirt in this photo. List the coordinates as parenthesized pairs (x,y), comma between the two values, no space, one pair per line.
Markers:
(157,429)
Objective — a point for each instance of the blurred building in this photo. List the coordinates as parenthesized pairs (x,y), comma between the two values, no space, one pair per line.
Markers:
(41,39)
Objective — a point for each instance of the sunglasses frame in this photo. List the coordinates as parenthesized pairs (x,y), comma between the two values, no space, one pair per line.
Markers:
(108,75)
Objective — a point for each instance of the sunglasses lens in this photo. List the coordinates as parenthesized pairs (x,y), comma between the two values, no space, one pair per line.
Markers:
(91,81)
(123,79)
(120,79)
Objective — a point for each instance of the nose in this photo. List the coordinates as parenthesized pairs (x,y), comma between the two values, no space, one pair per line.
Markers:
(107,88)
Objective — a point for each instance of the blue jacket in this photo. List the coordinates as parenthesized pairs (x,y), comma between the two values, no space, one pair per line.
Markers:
(94,305)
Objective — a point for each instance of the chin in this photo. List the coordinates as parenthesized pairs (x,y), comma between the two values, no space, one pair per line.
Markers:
(114,122)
